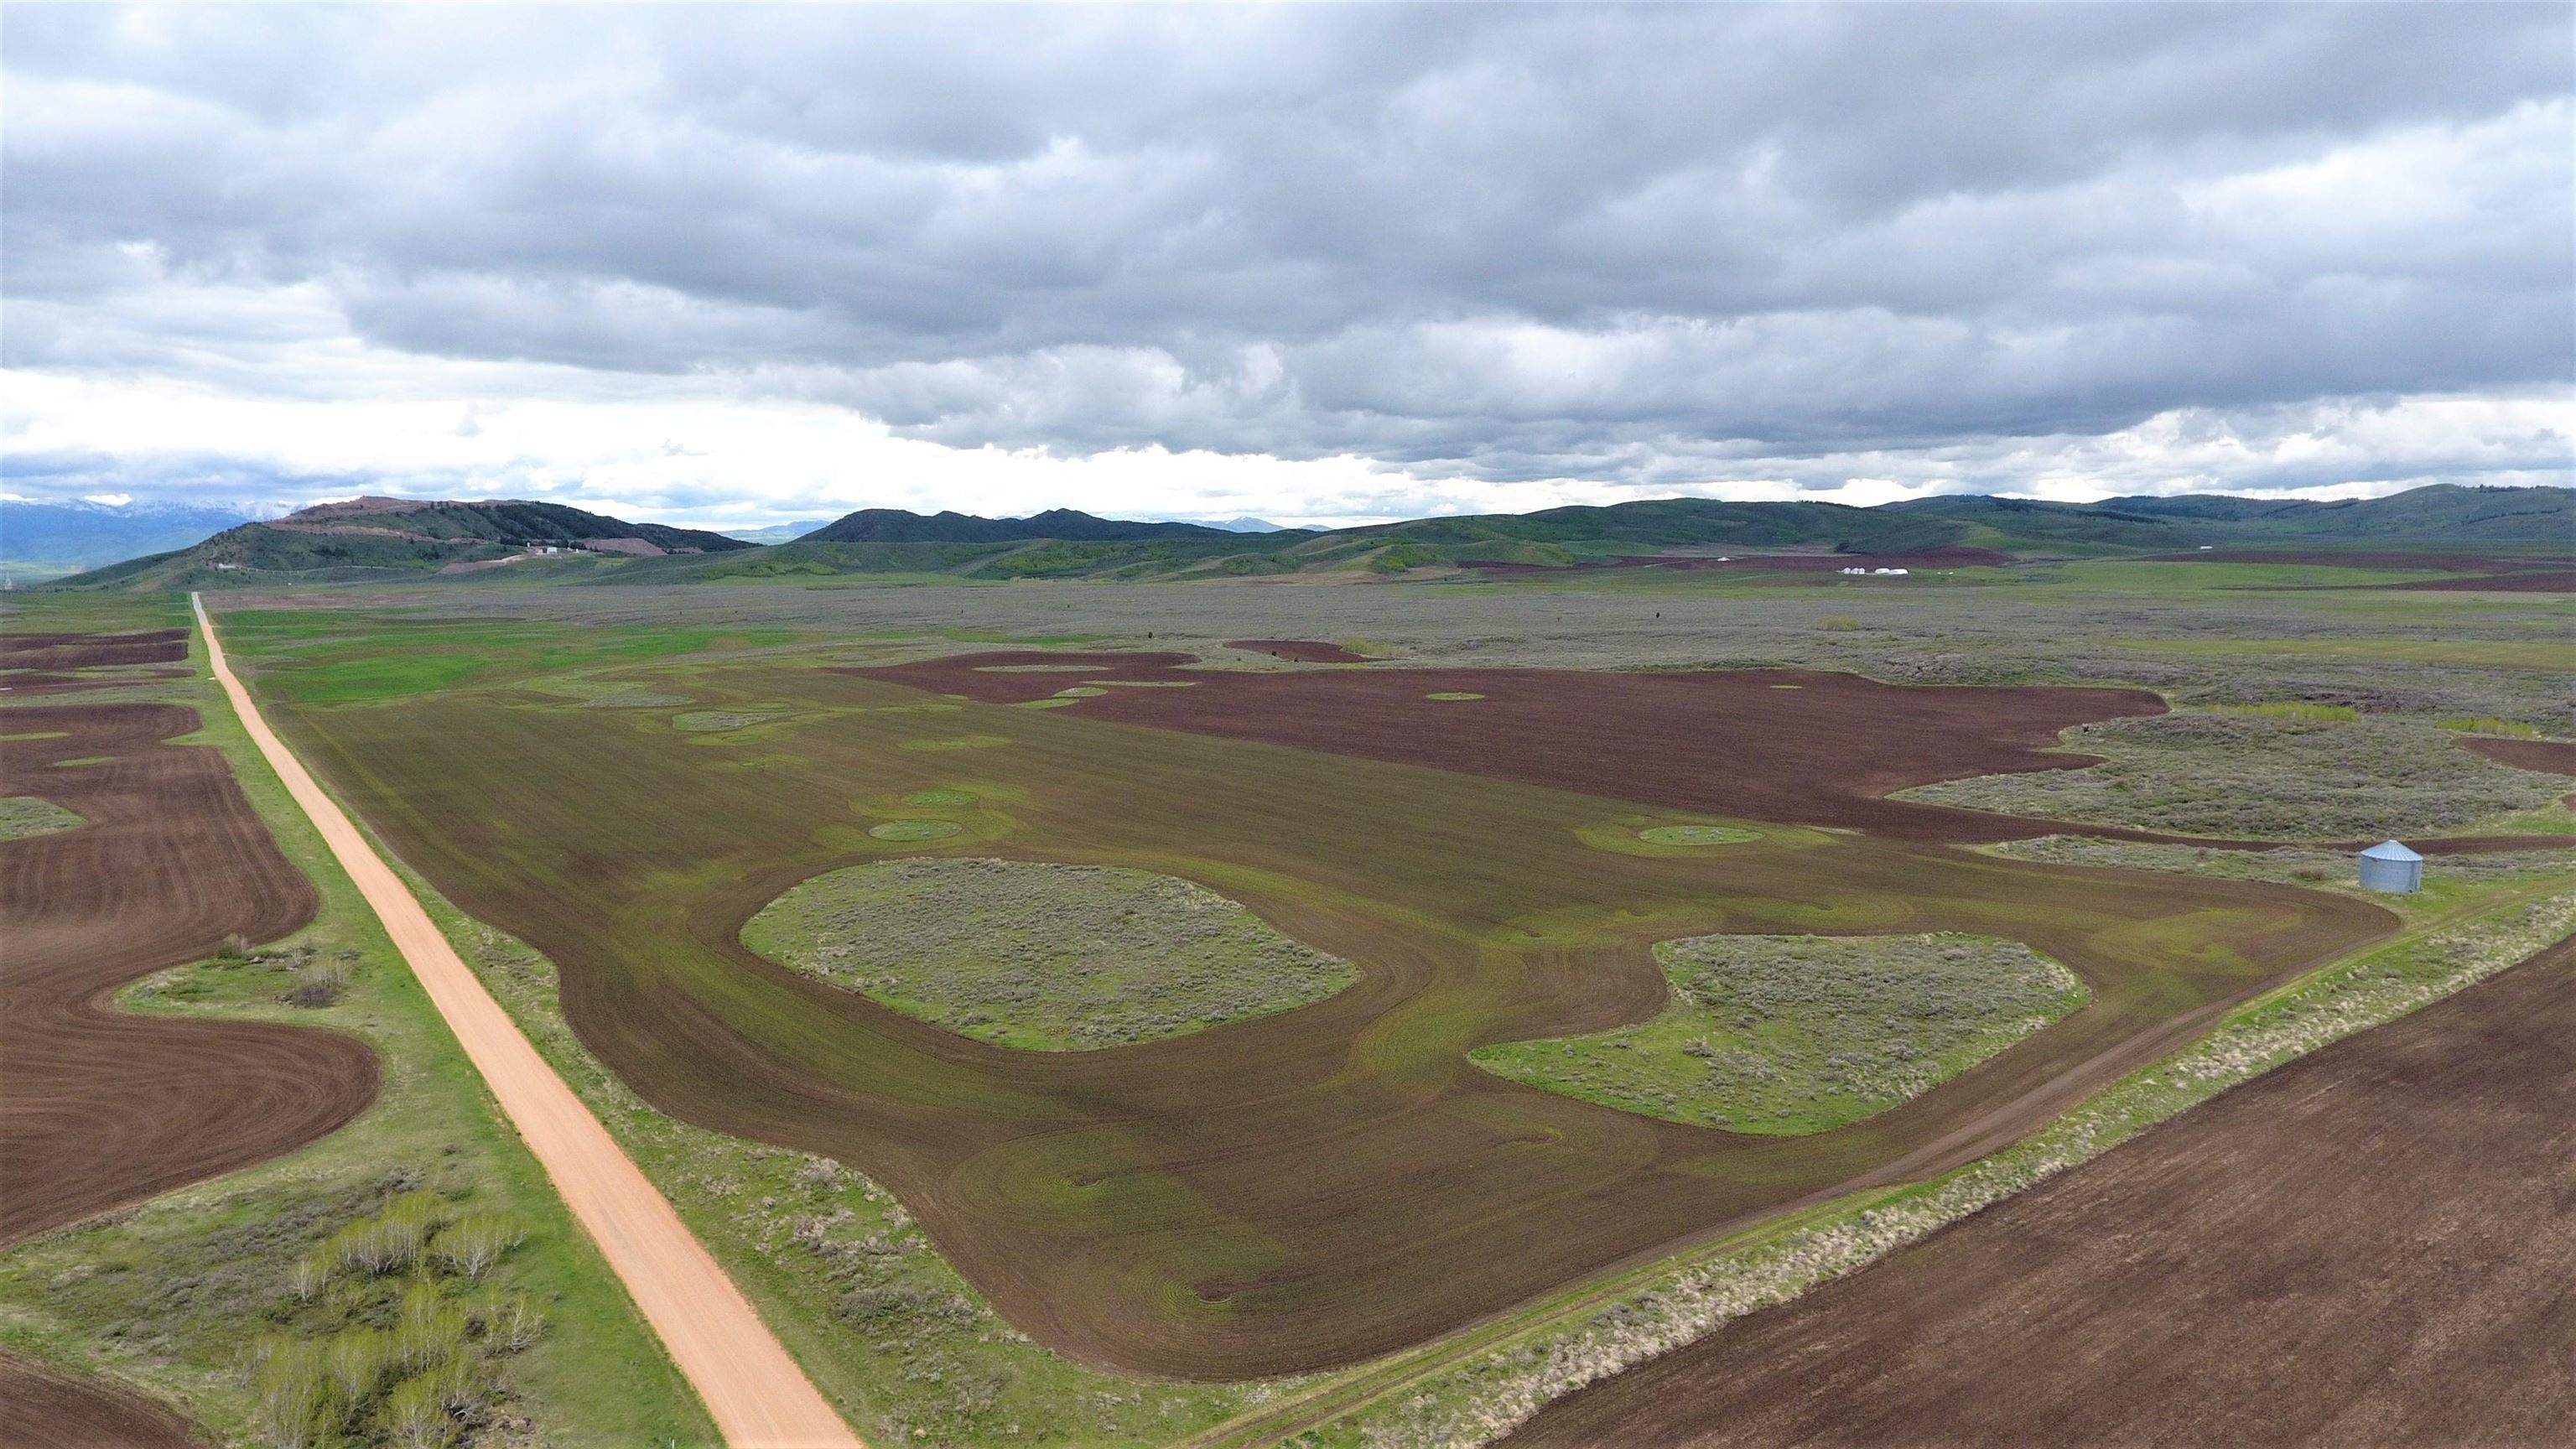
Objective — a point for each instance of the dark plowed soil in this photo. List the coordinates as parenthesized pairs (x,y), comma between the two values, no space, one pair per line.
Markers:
(1299,651)
(2373,1245)
(91,651)
(2527,581)
(2549,757)
(1796,746)
(105,1108)
(1788,745)
(1805,563)
(42,1408)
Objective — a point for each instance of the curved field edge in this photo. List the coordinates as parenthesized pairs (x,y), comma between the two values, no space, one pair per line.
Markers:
(825,1253)
(595,1377)
(1040,955)
(1789,1035)
(1477,1385)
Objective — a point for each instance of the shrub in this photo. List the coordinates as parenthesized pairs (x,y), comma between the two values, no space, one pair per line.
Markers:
(292,1410)
(318,983)
(472,1244)
(355,1360)
(414,1416)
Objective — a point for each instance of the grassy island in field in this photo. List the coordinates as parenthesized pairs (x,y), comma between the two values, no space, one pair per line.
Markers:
(1784,1035)
(1046,957)
(22,816)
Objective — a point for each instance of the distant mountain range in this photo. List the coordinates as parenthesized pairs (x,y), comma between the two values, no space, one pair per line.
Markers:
(776,532)
(379,538)
(392,538)
(43,540)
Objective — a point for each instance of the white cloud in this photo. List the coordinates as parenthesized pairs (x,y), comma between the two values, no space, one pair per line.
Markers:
(1309,262)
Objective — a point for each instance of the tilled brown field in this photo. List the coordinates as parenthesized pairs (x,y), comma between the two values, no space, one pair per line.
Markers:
(105,1108)
(1800,746)
(43,1408)
(2372,1245)
(1298,651)
(92,651)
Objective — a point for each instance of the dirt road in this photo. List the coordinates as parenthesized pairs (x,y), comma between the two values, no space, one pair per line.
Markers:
(757,1395)
(2371,1245)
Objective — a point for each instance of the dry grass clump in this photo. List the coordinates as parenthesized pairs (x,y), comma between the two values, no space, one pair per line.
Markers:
(1051,957)
(2234,775)
(319,983)
(1795,1034)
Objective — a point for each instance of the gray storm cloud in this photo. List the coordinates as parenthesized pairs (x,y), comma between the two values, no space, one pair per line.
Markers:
(1506,243)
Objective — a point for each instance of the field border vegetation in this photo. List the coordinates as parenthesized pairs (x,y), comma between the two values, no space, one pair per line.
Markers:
(591,1375)
(1477,1385)
(790,1228)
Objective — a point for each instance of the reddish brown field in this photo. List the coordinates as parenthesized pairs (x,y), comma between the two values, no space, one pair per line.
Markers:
(1798,746)
(2372,1245)
(2558,580)
(92,651)
(105,1108)
(43,1408)
(1299,651)
(2549,757)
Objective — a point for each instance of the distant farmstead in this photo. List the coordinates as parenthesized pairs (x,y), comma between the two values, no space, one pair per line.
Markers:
(2391,867)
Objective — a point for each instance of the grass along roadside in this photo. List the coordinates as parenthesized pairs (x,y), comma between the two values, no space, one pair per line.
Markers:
(173,1295)
(1476,1385)
(886,1328)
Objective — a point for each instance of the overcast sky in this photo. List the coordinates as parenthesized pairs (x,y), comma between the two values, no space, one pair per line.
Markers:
(743,265)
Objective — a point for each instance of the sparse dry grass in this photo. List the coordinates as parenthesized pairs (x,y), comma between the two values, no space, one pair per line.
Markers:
(2261,776)
(1794,1034)
(1049,957)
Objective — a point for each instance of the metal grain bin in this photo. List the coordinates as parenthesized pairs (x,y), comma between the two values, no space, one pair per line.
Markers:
(2391,867)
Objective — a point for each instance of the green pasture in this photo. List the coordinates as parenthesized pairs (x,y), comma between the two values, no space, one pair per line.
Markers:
(1291,1190)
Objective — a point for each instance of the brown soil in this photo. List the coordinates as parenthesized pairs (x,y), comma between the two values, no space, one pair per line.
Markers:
(91,651)
(43,1408)
(2372,1245)
(1800,747)
(1298,651)
(2547,757)
(106,1108)
(1796,746)
(2529,581)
